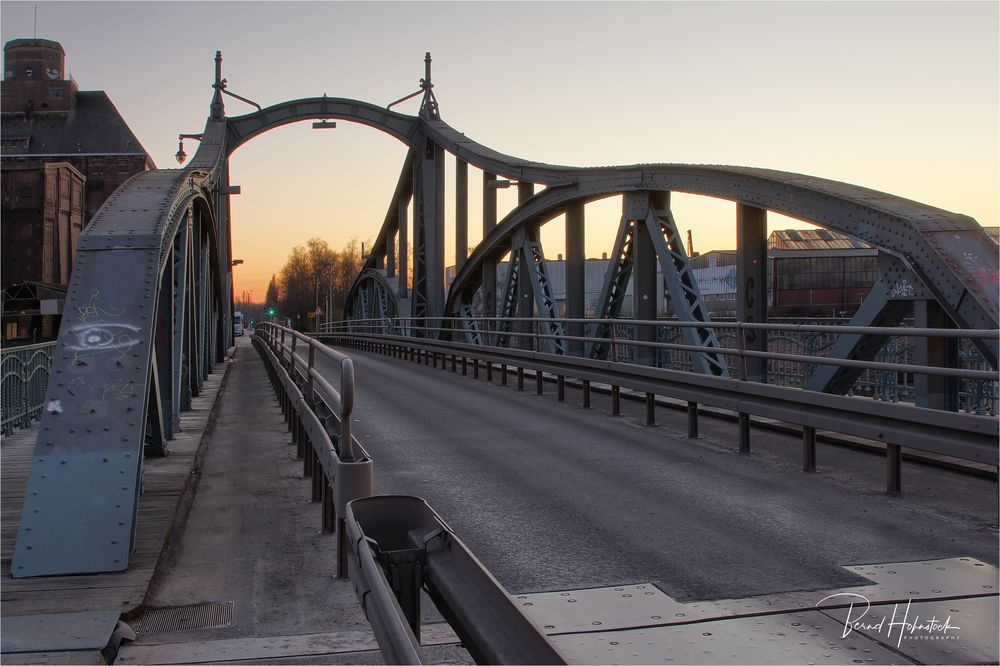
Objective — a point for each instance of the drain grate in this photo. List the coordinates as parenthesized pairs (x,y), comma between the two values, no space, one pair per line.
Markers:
(211,615)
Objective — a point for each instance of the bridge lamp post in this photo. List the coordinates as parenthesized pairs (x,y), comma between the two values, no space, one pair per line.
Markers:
(181,155)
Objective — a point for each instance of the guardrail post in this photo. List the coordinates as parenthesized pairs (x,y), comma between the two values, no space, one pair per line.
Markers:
(465,366)
(539,381)
(692,413)
(318,478)
(489,371)
(329,510)
(893,469)
(562,388)
(616,401)
(808,449)
(520,379)
(650,409)
(586,394)
(475,368)
(744,421)
(453,363)
(503,374)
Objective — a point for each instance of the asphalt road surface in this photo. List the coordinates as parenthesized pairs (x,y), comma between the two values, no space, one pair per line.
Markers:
(550,496)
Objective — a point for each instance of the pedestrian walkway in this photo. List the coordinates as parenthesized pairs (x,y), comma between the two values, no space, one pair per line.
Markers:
(249,574)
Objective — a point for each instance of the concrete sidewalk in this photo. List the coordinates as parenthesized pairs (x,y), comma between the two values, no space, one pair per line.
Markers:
(252,545)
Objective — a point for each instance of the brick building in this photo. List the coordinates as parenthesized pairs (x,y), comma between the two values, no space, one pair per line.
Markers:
(63,152)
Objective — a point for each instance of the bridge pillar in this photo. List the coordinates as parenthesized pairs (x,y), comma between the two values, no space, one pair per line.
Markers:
(575,273)
(751,285)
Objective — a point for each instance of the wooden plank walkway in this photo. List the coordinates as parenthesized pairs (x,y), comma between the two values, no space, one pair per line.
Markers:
(164,483)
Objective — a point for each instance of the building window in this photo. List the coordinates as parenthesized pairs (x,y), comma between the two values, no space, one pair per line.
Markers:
(10,330)
(55,93)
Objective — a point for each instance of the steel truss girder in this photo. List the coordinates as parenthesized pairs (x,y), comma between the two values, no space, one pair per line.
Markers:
(109,379)
(949,252)
(533,260)
(684,292)
(615,285)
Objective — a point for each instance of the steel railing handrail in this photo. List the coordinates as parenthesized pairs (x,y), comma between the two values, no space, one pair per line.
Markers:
(761,326)
(966,436)
(740,352)
(343,398)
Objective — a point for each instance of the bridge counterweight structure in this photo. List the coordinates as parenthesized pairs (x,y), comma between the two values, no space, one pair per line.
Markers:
(150,301)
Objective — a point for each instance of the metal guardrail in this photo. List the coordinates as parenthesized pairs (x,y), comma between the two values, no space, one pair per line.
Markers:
(965,436)
(25,378)
(399,546)
(391,547)
(320,423)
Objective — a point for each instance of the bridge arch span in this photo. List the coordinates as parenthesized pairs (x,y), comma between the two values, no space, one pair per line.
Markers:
(240,129)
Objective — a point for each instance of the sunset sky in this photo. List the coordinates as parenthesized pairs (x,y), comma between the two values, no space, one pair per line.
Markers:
(900,97)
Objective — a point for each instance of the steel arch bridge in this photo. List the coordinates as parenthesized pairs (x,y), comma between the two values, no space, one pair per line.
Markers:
(149,307)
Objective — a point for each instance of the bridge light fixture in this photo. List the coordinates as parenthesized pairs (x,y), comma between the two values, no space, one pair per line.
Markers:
(324,125)
(181,155)
(237,262)
(500,184)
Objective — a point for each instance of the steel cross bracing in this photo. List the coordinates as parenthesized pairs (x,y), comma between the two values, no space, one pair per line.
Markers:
(149,306)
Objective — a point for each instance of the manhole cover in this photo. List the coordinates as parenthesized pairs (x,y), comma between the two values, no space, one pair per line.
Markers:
(211,615)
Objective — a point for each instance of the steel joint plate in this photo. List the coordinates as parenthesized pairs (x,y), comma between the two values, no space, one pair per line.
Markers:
(960,631)
(808,637)
(616,607)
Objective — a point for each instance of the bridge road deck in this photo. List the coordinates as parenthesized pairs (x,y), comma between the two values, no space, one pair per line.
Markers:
(551,496)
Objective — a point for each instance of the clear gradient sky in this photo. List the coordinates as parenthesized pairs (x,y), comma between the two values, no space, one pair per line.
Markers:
(898,96)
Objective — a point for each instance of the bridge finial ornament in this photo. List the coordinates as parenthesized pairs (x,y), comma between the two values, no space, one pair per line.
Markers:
(429,107)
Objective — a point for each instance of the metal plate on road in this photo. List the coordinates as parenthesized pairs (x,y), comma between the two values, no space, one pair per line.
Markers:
(809,637)
(57,632)
(960,631)
(616,607)
(928,579)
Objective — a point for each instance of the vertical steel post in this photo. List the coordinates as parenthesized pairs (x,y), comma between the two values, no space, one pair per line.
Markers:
(692,414)
(539,382)
(586,394)
(650,409)
(751,283)
(931,391)
(489,222)
(893,469)
(575,274)
(644,274)
(503,374)
(616,401)
(520,379)
(744,434)
(808,449)
(562,388)
(461,213)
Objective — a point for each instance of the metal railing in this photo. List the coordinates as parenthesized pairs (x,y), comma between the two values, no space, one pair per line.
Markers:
(25,378)
(319,418)
(962,435)
(391,547)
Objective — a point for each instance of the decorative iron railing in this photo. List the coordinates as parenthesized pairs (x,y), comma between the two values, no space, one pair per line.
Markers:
(25,377)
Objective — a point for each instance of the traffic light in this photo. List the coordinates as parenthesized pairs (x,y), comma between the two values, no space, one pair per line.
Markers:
(271,312)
